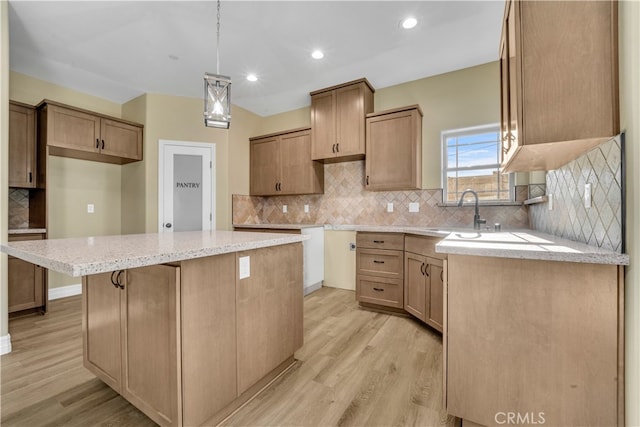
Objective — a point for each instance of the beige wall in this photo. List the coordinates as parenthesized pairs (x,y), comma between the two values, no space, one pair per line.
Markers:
(339,261)
(4,161)
(133,194)
(284,121)
(629,36)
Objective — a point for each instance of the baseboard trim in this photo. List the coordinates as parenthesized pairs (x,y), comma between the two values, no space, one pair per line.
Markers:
(312,288)
(65,291)
(5,344)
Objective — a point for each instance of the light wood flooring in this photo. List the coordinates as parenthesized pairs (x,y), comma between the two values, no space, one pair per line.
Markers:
(356,368)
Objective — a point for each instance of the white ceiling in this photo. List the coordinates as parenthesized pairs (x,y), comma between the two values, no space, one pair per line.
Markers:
(120,49)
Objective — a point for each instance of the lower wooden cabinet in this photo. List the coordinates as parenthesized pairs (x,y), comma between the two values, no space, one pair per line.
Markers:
(131,336)
(424,280)
(188,343)
(402,272)
(27,282)
(379,269)
(539,339)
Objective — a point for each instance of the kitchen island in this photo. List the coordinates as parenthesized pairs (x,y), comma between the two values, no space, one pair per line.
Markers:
(185,326)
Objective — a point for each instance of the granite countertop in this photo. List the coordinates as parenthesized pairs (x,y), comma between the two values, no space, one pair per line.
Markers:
(519,244)
(27,230)
(279,226)
(527,244)
(91,255)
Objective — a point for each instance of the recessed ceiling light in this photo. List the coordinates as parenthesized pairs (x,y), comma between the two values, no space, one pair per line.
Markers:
(252,78)
(409,23)
(317,54)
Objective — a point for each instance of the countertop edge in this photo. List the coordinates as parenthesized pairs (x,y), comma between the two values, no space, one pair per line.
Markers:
(83,269)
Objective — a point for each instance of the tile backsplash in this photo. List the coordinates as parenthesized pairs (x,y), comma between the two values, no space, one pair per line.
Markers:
(346,202)
(599,225)
(18,208)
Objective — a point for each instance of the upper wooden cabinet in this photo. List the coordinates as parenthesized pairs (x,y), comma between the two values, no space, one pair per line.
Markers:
(22,145)
(394,149)
(281,164)
(337,121)
(81,134)
(559,73)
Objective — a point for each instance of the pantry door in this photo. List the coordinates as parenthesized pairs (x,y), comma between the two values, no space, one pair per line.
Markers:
(186,186)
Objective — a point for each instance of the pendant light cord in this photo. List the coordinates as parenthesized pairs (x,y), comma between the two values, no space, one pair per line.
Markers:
(218,42)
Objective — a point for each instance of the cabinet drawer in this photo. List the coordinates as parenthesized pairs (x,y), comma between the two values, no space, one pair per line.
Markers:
(381,291)
(380,240)
(380,263)
(423,246)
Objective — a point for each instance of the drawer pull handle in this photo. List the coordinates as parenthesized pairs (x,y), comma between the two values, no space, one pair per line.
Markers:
(378,241)
(375,261)
(378,289)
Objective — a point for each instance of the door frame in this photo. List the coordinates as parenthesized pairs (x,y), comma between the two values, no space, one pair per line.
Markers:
(162,143)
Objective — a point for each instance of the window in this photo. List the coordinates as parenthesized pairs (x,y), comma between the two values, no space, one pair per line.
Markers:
(471,160)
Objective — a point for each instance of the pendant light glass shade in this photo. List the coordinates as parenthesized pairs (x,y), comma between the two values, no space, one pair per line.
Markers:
(217,101)
(217,91)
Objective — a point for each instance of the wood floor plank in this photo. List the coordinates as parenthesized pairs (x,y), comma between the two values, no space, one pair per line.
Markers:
(356,368)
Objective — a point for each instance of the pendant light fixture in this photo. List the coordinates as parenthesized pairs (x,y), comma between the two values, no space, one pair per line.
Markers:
(217,92)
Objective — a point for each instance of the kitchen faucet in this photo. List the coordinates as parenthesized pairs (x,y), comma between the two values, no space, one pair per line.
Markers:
(476,218)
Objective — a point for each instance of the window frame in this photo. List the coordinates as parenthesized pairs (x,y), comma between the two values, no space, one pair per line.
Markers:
(444,161)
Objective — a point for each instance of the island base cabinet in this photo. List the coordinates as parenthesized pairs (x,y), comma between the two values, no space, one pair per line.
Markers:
(151,352)
(131,337)
(101,329)
(188,343)
(269,304)
(539,339)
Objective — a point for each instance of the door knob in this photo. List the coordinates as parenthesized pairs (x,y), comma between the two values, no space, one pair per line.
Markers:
(168,225)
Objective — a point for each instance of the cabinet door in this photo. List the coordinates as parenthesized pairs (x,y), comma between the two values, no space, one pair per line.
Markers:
(22,146)
(265,167)
(350,114)
(504,92)
(435,293)
(393,150)
(151,339)
(513,138)
(300,174)
(269,311)
(101,329)
(120,139)
(26,285)
(68,128)
(415,285)
(323,126)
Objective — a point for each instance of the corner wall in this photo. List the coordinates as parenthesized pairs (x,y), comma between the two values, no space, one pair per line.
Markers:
(629,37)
(5,342)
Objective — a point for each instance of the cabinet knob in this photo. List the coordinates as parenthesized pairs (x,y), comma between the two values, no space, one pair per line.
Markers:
(168,225)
